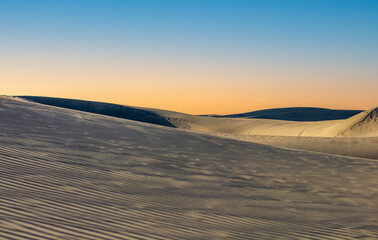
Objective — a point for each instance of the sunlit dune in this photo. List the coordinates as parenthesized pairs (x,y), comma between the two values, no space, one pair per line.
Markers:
(355,136)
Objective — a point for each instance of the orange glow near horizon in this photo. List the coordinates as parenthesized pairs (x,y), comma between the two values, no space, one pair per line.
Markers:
(188,86)
(195,90)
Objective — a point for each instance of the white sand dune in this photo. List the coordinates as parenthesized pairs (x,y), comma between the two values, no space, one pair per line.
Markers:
(356,136)
(296,114)
(364,124)
(330,136)
(67,174)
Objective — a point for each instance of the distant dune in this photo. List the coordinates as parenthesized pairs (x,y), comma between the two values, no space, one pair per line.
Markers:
(352,126)
(357,126)
(361,125)
(68,174)
(297,114)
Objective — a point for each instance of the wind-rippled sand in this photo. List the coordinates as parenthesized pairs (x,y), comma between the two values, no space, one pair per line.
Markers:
(72,175)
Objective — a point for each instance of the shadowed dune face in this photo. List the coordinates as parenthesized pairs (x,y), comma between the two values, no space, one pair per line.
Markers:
(74,175)
(223,125)
(298,114)
(333,136)
(108,109)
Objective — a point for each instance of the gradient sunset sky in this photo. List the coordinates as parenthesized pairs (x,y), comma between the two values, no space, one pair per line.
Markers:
(193,56)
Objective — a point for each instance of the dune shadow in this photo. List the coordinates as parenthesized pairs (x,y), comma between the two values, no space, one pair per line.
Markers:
(300,114)
(108,109)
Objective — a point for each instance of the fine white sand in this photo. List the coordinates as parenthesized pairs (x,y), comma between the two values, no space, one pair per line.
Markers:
(67,174)
(364,124)
(365,147)
(356,136)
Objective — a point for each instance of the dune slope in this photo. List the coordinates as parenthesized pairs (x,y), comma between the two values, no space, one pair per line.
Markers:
(332,128)
(108,109)
(356,136)
(298,114)
(67,174)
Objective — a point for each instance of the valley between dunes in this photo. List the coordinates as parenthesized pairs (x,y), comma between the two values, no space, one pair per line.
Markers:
(119,172)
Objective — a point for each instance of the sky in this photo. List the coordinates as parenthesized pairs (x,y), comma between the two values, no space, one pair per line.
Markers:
(193,56)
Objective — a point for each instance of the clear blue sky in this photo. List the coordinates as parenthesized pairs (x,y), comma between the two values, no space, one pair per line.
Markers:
(334,41)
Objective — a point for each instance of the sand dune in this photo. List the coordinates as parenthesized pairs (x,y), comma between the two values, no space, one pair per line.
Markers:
(67,174)
(109,109)
(355,125)
(297,114)
(362,127)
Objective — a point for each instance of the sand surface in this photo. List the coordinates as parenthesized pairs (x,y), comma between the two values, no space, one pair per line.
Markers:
(67,174)
(356,136)
(364,124)
(364,147)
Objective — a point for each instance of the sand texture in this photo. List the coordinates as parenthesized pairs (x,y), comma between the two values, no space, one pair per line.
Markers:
(355,136)
(67,174)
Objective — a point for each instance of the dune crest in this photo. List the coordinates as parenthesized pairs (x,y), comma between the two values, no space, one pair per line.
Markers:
(306,114)
(342,136)
(366,125)
(363,124)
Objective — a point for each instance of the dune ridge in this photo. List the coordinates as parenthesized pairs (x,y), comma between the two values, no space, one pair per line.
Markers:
(297,114)
(344,136)
(365,125)
(355,126)
(330,128)
(109,109)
